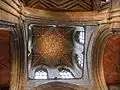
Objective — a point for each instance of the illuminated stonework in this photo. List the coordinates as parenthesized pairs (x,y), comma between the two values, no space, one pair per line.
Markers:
(52,45)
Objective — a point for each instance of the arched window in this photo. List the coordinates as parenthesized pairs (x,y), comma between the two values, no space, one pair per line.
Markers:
(79,35)
(79,59)
(65,73)
(79,43)
(41,74)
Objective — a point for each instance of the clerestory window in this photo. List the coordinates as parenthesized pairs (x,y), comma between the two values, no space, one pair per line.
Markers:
(65,73)
(79,43)
(79,35)
(41,74)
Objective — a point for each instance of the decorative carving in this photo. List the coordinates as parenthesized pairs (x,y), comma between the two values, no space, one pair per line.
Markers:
(60,5)
(52,46)
(59,86)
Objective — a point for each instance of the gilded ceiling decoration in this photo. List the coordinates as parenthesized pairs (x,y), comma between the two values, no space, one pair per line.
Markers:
(52,46)
(60,5)
(111,60)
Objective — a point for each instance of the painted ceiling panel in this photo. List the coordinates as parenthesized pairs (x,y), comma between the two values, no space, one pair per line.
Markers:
(112,60)
(5,65)
(4,36)
(52,46)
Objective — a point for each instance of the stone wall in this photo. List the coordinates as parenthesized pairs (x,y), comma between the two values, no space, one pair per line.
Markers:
(11,19)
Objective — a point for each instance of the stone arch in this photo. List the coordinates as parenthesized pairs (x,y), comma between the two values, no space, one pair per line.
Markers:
(32,71)
(59,86)
(96,49)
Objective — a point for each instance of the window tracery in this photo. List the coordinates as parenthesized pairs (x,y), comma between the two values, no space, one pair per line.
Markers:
(79,59)
(65,73)
(79,43)
(41,74)
(79,35)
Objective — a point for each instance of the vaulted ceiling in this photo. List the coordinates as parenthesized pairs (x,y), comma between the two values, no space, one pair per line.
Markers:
(52,46)
(63,5)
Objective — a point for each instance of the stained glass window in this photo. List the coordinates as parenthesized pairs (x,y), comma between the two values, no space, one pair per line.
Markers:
(41,74)
(65,73)
(79,43)
(80,60)
(79,35)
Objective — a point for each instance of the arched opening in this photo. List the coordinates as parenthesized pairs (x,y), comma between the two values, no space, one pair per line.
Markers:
(65,73)
(41,73)
(59,86)
(105,61)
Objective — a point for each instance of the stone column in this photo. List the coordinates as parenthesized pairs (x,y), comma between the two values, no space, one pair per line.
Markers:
(18,74)
(15,60)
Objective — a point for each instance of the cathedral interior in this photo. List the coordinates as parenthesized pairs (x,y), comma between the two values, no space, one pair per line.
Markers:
(59,44)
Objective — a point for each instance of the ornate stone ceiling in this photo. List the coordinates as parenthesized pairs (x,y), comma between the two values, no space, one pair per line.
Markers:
(52,46)
(63,5)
